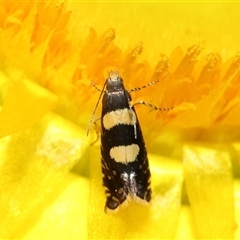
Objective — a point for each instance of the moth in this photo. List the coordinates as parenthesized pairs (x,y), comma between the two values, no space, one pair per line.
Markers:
(124,161)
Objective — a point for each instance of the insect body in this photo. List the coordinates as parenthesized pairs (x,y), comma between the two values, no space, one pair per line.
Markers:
(125,168)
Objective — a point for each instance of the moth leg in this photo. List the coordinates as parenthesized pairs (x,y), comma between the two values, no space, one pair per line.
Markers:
(152,106)
(97,130)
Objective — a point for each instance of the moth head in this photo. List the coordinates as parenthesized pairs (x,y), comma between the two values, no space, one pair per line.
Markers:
(114,82)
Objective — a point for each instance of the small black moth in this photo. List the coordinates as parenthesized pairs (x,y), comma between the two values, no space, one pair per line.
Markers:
(125,168)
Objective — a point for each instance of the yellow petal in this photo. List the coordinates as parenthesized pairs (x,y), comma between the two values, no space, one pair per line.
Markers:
(24,106)
(32,164)
(209,184)
(62,215)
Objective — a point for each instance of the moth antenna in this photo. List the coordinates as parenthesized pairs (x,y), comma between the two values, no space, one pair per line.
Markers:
(95,108)
(116,68)
(144,86)
(95,86)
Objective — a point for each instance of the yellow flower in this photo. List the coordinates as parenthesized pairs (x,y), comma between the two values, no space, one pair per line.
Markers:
(51,185)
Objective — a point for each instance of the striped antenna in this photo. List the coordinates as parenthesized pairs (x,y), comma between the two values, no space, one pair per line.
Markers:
(144,86)
(95,86)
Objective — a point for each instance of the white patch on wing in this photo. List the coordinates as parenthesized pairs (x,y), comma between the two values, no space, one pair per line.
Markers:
(120,116)
(124,154)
